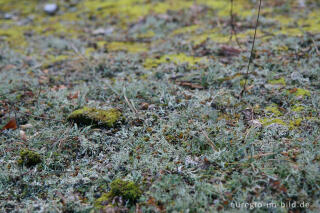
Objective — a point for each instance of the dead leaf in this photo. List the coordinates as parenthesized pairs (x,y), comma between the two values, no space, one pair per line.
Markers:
(229,51)
(293,90)
(73,96)
(12,124)
(189,85)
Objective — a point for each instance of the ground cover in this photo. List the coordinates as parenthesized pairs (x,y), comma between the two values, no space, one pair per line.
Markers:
(161,80)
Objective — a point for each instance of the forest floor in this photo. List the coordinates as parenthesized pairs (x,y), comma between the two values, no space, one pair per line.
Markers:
(188,141)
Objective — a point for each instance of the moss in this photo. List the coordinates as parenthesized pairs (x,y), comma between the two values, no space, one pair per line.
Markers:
(54,59)
(96,117)
(127,47)
(296,108)
(300,92)
(295,123)
(274,110)
(185,30)
(128,190)
(280,81)
(176,58)
(267,121)
(29,158)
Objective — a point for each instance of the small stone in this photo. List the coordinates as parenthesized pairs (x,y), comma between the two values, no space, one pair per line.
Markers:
(8,16)
(26,126)
(144,106)
(96,117)
(102,31)
(50,9)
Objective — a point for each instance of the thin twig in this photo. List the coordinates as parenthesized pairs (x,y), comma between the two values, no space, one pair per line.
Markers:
(315,46)
(233,29)
(135,111)
(251,53)
(209,140)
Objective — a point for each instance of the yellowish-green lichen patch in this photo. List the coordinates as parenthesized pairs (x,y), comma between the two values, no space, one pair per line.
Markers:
(300,92)
(184,30)
(297,108)
(215,35)
(96,117)
(273,110)
(268,121)
(295,123)
(54,59)
(129,47)
(29,158)
(280,81)
(127,190)
(129,11)
(223,7)
(148,34)
(176,58)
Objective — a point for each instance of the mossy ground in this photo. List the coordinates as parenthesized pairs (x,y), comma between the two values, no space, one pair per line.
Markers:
(190,142)
(95,117)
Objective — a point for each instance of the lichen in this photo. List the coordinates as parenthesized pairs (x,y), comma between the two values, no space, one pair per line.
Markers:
(274,110)
(184,30)
(300,92)
(127,190)
(280,81)
(297,108)
(129,47)
(29,158)
(295,123)
(268,121)
(96,117)
(176,58)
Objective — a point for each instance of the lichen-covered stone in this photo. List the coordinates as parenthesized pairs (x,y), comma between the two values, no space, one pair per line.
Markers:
(127,190)
(96,117)
(29,158)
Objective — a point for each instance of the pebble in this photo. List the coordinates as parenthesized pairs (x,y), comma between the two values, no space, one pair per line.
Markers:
(50,9)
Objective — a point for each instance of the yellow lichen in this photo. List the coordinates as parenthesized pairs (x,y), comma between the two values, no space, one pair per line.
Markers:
(295,123)
(175,58)
(184,30)
(268,121)
(127,47)
(300,92)
(297,108)
(280,81)
(274,110)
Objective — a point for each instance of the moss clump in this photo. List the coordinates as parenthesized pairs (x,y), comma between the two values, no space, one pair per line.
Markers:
(96,117)
(127,190)
(29,158)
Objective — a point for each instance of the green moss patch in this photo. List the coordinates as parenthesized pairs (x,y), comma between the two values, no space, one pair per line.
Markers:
(127,190)
(96,117)
(29,158)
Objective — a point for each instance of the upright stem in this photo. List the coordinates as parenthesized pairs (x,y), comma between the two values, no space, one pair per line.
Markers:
(251,53)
